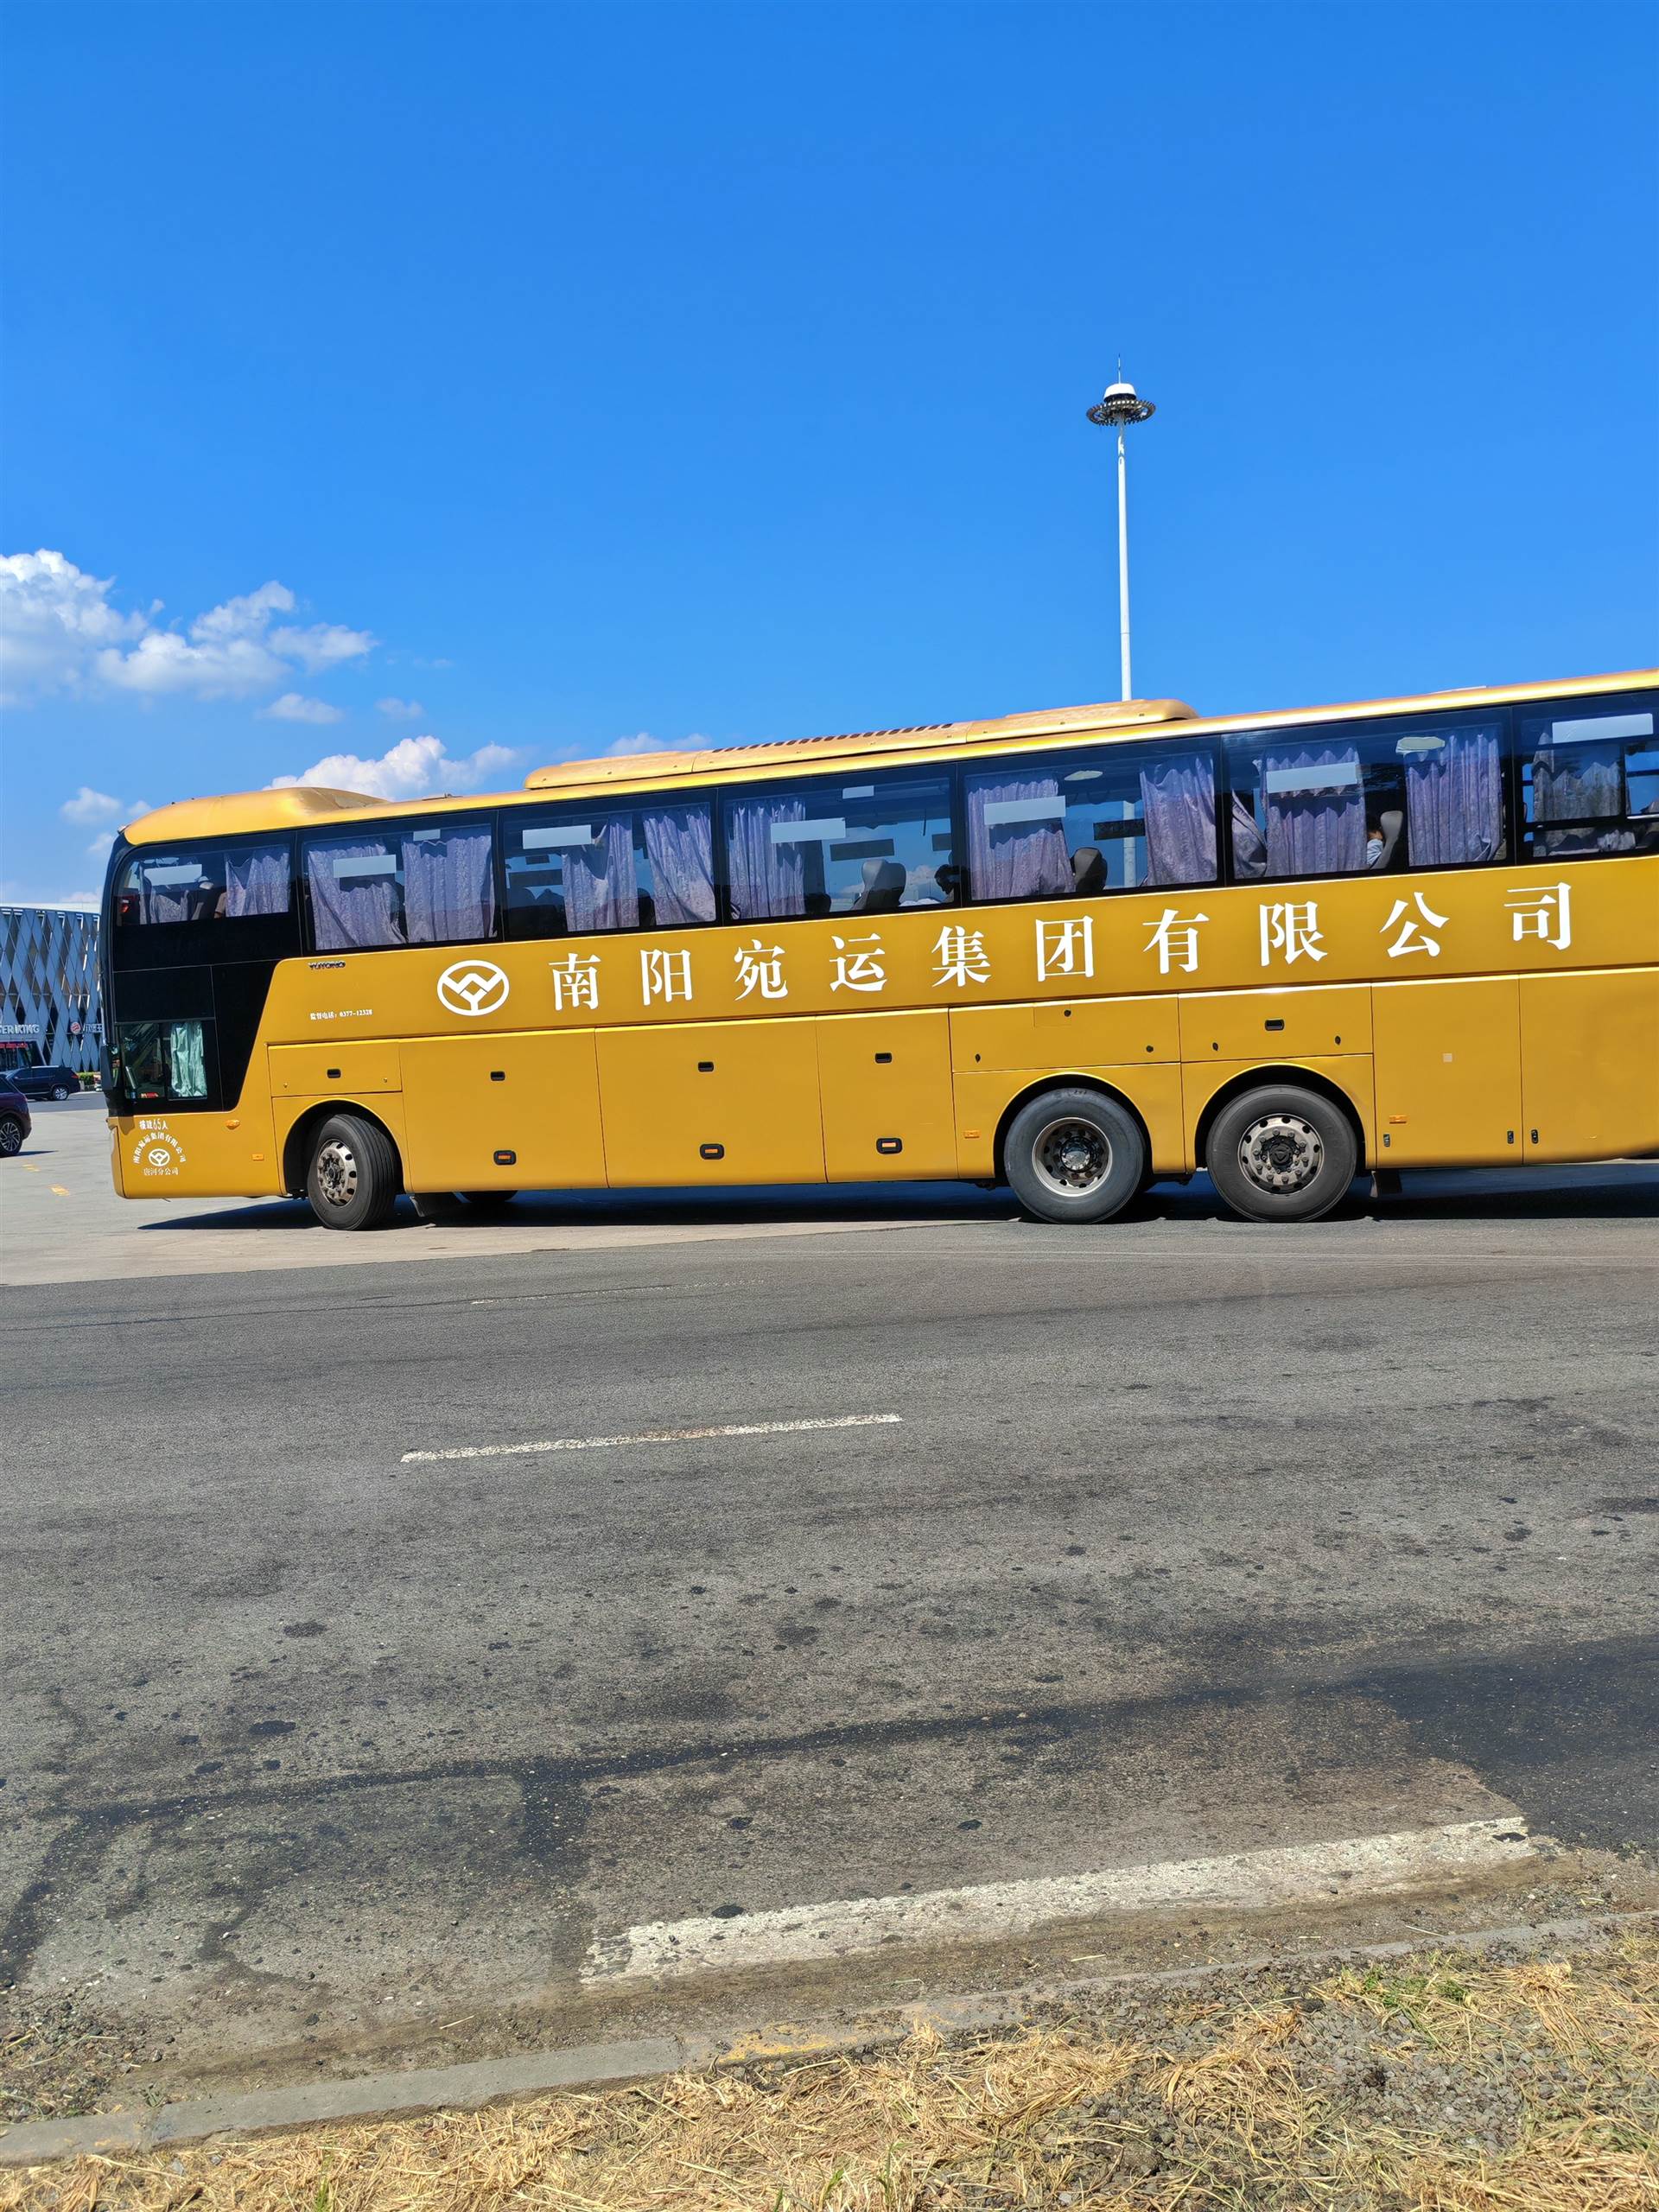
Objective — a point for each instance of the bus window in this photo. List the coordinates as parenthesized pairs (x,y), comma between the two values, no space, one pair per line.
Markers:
(568,873)
(163,1063)
(597,868)
(1080,824)
(419,885)
(867,846)
(1315,803)
(1589,779)
(220,884)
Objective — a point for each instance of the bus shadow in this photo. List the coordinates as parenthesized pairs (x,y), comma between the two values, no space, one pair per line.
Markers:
(1624,1190)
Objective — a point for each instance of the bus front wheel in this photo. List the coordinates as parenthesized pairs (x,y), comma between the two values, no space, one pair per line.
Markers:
(1074,1156)
(351,1181)
(1281,1154)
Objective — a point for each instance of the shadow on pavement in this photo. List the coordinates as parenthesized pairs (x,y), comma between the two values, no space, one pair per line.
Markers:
(1619,1190)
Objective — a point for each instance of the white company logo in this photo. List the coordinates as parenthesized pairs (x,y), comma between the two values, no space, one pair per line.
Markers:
(473,986)
(157,1152)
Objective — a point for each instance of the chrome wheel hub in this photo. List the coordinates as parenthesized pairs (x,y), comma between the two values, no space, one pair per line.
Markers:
(1072,1158)
(1280,1152)
(337,1173)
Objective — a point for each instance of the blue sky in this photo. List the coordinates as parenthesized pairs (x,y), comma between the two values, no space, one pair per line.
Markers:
(501,382)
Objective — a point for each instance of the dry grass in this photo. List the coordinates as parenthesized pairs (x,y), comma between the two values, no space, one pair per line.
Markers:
(1451,2085)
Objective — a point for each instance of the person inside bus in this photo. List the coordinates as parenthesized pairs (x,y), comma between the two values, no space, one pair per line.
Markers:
(1088,871)
(883,890)
(1381,836)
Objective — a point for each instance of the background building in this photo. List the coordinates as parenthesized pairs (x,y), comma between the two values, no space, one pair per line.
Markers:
(50,1006)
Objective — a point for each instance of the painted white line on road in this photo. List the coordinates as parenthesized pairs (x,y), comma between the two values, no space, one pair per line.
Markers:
(655,1436)
(1298,1874)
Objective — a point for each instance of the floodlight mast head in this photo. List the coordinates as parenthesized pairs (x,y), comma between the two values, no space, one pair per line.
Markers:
(1118,407)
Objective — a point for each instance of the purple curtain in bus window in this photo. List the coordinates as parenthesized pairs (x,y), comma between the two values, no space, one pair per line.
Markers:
(257,882)
(1178,807)
(1572,781)
(599,892)
(1320,831)
(169,902)
(352,912)
(680,844)
(448,890)
(1015,860)
(1454,799)
(768,880)
(1249,849)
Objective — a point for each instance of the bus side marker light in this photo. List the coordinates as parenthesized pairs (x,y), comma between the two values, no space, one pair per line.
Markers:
(1398,1120)
(889,1144)
(884,1059)
(712,1151)
(498,1075)
(970,1132)
(506,1158)
(705,1067)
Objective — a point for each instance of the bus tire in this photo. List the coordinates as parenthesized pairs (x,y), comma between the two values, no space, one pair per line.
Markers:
(1281,1154)
(1074,1156)
(352,1180)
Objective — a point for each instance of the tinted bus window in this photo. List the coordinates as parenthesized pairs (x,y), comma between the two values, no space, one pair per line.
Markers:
(1589,779)
(1356,798)
(1078,824)
(420,885)
(868,846)
(604,867)
(202,884)
(165,1063)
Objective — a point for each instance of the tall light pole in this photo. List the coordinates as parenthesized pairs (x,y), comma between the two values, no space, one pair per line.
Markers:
(1118,408)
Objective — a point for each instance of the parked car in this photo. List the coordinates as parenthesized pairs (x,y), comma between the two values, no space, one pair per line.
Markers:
(44,1083)
(15,1123)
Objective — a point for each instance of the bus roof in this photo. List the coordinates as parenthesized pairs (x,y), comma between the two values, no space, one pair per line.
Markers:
(305,805)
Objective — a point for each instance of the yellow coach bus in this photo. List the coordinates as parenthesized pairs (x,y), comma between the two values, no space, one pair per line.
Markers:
(1073,951)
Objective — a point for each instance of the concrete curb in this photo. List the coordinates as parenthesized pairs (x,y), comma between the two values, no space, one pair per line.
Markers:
(611,2065)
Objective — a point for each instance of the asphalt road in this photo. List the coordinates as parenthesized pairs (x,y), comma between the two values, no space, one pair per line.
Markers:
(1188,1537)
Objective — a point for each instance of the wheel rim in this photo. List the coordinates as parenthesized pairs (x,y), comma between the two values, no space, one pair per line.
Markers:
(1072,1158)
(336,1173)
(11,1138)
(1280,1154)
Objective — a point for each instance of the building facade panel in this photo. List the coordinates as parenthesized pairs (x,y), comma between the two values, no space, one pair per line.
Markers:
(50,1006)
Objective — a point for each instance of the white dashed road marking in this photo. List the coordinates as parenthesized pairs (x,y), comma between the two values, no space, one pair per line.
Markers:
(654,1436)
(1299,1873)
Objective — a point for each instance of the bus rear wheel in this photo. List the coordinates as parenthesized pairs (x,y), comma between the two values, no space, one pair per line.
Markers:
(1281,1154)
(1074,1156)
(352,1180)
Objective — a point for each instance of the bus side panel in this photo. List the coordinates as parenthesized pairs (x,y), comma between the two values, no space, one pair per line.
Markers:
(1448,1072)
(884,1083)
(983,1099)
(1590,1064)
(719,1101)
(534,1097)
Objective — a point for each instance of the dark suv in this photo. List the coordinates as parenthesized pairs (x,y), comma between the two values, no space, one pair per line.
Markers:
(14,1123)
(43,1083)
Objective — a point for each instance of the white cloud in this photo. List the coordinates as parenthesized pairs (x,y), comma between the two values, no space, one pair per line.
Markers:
(99,849)
(59,633)
(54,618)
(415,767)
(401,711)
(324,645)
(88,806)
(292,707)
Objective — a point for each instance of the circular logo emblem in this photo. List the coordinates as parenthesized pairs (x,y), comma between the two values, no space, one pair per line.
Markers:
(159,1156)
(473,986)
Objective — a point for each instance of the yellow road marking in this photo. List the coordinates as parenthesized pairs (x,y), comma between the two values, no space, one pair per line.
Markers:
(27,1169)
(58,1191)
